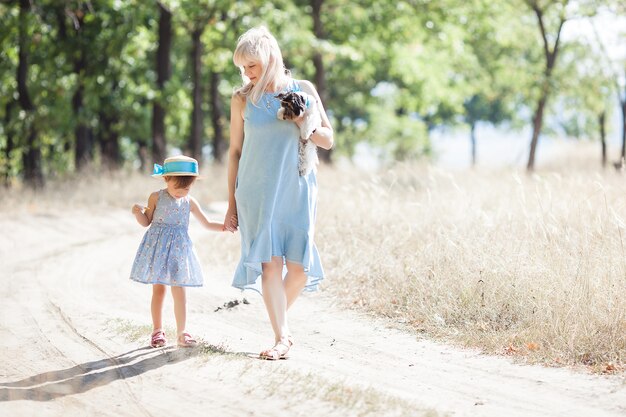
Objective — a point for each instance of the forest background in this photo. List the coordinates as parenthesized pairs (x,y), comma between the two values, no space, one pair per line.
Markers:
(106,84)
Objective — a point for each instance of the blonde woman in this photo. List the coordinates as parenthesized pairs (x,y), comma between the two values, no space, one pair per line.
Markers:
(271,204)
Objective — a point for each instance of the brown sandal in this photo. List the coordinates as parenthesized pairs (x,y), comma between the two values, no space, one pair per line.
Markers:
(279,351)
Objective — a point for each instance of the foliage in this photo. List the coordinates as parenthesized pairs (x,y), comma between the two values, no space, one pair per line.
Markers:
(394,70)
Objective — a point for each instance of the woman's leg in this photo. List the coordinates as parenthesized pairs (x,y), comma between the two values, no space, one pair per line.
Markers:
(294,282)
(156,306)
(180,309)
(274,296)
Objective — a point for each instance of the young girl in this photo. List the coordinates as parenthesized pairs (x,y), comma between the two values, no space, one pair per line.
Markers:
(166,255)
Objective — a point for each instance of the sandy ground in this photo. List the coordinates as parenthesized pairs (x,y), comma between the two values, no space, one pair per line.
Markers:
(67,311)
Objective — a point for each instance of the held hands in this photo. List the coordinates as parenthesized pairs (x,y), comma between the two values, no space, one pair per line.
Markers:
(231,222)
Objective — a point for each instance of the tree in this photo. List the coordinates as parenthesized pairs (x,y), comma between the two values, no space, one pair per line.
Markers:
(481,107)
(197,18)
(551,44)
(163,70)
(33,173)
(618,81)
(582,102)
(493,33)
(78,51)
(318,62)
(9,56)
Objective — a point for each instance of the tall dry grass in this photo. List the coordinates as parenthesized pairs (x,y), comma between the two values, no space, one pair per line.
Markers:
(503,261)
(105,190)
(510,263)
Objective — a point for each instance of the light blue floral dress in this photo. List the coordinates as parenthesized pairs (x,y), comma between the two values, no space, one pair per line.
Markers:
(276,206)
(166,254)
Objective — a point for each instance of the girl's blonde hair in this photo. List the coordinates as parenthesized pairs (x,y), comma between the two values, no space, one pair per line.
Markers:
(259,45)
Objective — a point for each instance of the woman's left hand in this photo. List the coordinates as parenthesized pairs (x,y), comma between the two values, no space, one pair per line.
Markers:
(299,120)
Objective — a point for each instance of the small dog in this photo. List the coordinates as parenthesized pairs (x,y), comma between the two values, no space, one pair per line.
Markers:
(292,105)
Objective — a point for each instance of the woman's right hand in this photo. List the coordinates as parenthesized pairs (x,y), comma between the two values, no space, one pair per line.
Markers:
(231,223)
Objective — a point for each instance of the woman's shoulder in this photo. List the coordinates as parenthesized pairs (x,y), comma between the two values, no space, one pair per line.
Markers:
(238,98)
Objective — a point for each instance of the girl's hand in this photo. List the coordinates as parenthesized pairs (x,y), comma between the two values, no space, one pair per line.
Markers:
(138,209)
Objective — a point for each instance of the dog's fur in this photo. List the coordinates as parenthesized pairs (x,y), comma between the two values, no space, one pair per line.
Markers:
(292,105)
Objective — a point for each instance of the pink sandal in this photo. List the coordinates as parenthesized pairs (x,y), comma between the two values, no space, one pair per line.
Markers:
(185,340)
(158,339)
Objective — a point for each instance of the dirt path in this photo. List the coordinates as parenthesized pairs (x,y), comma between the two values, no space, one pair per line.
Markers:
(68,312)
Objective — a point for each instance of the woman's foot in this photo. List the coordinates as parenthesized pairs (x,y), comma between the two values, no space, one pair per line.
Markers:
(185,340)
(279,351)
(157,339)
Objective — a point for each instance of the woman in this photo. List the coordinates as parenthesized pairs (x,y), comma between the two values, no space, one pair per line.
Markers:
(271,204)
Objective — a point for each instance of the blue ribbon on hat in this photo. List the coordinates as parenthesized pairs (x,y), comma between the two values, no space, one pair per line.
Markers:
(177,167)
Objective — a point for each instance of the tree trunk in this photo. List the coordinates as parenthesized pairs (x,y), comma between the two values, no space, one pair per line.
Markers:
(142,154)
(163,70)
(109,141)
(473,140)
(83,152)
(602,125)
(197,116)
(217,118)
(31,158)
(109,134)
(550,55)
(537,122)
(318,62)
(8,110)
(623,106)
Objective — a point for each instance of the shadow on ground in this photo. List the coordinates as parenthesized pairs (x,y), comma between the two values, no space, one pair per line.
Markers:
(86,376)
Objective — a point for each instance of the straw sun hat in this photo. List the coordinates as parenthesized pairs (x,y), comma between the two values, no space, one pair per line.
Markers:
(176,166)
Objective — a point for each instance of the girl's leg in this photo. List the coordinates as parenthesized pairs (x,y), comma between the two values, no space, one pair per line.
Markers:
(156,306)
(183,339)
(274,296)
(180,309)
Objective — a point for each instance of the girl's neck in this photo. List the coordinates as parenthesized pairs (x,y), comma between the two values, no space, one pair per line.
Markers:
(173,196)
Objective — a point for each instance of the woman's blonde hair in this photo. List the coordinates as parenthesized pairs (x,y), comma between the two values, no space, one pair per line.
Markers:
(259,45)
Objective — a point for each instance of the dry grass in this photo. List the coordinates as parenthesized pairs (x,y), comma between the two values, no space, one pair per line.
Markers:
(510,263)
(533,266)
(107,190)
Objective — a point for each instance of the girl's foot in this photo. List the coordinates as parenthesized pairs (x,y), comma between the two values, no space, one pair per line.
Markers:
(279,351)
(185,340)
(157,339)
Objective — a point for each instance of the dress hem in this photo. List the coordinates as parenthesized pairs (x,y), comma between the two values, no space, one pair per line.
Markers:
(312,285)
(166,283)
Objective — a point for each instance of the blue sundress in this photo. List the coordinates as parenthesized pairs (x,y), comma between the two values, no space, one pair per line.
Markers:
(276,207)
(166,254)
